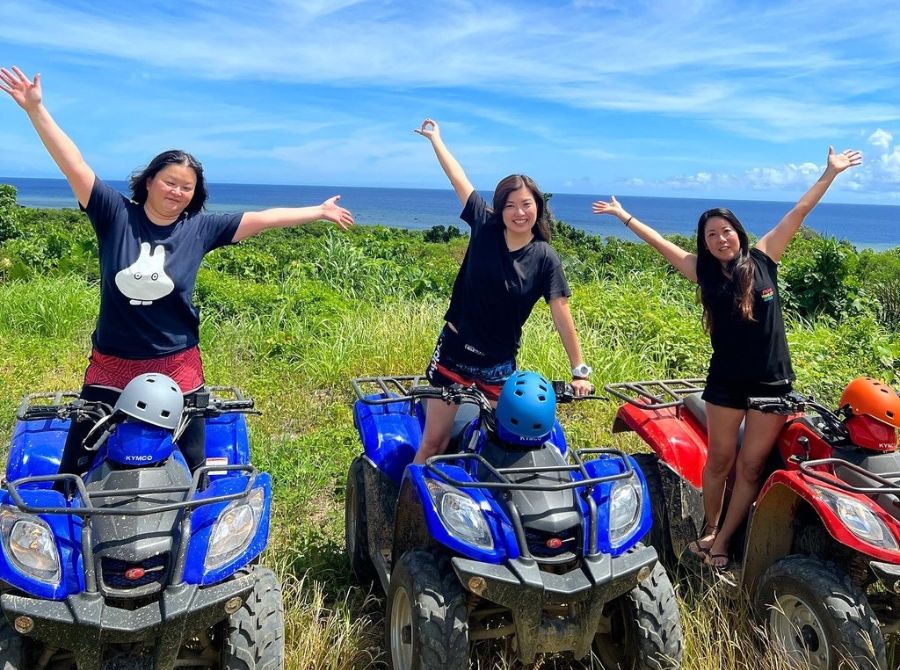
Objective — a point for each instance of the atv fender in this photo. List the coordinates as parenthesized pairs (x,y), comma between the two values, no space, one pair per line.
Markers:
(675,436)
(410,527)
(771,532)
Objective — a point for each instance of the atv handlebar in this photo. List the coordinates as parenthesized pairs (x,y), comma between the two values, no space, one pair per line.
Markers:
(411,387)
(205,403)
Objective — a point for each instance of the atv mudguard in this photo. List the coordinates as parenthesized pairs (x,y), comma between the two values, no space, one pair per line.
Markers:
(36,446)
(770,534)
(672,433)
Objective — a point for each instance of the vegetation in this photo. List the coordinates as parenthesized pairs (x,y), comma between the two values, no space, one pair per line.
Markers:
(292,315)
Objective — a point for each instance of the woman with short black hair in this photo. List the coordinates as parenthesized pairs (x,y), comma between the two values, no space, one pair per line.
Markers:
(150,251)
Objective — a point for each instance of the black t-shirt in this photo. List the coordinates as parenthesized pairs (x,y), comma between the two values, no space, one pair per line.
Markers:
(750,351)
(496,288)
(147,274)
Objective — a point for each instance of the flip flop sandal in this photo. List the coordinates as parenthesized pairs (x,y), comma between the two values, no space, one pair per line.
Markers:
(694,547)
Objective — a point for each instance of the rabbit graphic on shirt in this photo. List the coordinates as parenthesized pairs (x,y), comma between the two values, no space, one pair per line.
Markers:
(145,280)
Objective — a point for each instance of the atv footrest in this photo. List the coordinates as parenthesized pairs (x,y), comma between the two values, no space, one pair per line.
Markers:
(527,591)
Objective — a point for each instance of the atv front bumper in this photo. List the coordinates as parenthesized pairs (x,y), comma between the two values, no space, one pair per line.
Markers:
(84,623)
(535,597)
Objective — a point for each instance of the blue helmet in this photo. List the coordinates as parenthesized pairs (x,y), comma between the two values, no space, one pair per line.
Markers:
(526,409)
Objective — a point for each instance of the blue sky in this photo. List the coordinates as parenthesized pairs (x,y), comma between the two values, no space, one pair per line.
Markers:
(693,99)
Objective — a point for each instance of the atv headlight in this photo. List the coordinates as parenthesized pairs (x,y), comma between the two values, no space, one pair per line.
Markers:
(234,529)
(460,515)
(29,541)
(624,508)
(861,521)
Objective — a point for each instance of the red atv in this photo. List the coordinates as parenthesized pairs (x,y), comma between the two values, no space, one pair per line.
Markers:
(820,553)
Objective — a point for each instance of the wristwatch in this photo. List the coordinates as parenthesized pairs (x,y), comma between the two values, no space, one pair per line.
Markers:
(582,371)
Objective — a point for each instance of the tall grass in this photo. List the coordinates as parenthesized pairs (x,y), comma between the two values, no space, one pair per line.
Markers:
(296,356)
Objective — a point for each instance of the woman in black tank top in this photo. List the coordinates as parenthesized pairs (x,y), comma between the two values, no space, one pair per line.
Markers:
(742,312)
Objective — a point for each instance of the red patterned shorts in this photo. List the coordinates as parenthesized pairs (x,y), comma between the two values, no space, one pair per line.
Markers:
(185,367)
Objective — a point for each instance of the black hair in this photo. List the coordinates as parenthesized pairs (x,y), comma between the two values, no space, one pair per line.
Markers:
(514,182)
(139,178)
(710,272)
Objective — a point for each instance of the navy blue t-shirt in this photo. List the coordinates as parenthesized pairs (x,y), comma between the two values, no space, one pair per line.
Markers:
(147,274)
(496,288)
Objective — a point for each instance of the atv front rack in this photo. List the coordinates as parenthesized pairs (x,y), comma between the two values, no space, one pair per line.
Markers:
(883,483)
(503,483)
(88,509)
(656,393)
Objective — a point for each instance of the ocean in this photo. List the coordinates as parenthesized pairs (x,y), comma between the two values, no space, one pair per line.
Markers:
(865,226)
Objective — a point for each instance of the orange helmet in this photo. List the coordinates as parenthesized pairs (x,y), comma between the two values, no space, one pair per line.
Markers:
(869,397)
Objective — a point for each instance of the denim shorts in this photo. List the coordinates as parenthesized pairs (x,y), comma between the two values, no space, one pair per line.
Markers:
(455,362)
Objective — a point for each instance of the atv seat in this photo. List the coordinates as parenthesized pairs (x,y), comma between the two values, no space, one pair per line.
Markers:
(696,405)
(464,416)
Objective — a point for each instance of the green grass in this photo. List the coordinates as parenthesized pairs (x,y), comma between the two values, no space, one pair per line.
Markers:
(295,341)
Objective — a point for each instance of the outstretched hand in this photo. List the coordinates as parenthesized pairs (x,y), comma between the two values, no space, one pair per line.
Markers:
(429,129)
(331,211)
(612,207)
(25,92)
(838,162)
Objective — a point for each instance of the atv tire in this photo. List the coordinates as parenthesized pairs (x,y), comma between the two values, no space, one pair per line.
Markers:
(815,613)
(659,536)
(254,634)
(12,648)
(356,527)
(426,623)
(643,627)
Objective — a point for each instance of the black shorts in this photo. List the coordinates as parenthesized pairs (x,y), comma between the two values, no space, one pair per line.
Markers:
(736,394)
(455,362)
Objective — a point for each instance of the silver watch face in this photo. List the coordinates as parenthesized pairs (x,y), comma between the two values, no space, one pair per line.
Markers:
(581,371)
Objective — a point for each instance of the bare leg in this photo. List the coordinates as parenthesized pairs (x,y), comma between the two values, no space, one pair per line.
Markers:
(760,434)
(722,428)
(439,417)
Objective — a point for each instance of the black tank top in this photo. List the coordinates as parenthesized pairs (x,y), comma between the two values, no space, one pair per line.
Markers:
(750,351)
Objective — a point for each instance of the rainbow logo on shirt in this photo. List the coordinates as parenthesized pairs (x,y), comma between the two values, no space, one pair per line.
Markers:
(767,294)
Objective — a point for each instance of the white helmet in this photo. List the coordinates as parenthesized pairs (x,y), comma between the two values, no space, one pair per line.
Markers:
(152,398)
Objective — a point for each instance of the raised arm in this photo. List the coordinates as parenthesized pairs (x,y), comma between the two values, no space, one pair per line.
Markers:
(683,261)
(27,94)
(286,217)
(451,166)
(776,240)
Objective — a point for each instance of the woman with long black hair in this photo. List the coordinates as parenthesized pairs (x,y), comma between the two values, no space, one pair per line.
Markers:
(738,286)
(509,266)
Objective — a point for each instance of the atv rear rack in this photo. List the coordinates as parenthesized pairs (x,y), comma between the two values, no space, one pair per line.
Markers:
(88,509)
(656,393)
(393,388)
(505,484)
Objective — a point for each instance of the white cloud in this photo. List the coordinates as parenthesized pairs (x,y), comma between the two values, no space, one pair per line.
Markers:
(774,72)
(881,139)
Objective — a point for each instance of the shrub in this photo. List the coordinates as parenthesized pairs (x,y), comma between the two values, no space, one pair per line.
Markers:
(9,212)
(442,234)
(818,277)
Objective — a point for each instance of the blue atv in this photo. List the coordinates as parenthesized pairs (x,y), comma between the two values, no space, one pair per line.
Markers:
(509,534)
(138,563)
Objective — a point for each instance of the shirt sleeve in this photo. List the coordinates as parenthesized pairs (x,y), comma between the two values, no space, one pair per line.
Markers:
(216,230)
(476,212)
(763,257)
(555,284)
(104,205)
